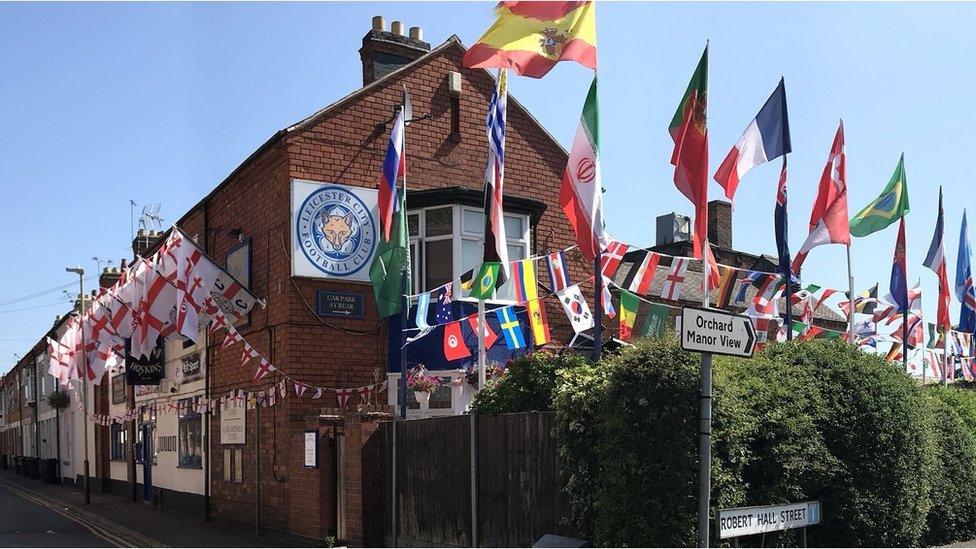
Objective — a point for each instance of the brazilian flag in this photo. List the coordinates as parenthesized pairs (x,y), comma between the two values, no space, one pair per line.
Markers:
(887,208)
(483,285)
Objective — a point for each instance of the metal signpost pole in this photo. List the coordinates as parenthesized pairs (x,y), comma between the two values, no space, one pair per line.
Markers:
(84,376)
(705,449)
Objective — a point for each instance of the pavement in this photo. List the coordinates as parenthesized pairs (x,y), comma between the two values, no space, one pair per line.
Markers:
(33,514)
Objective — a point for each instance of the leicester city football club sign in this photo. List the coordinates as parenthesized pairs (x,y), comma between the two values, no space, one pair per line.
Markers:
(334,230)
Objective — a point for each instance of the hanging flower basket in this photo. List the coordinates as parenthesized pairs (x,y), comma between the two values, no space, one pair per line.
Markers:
(493,370)
(419,382)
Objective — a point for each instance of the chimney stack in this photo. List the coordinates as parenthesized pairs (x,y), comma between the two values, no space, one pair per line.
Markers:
(720,224)
(144,240)
(385,51)
(109,276)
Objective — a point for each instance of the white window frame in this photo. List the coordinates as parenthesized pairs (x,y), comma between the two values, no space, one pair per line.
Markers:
(458,235)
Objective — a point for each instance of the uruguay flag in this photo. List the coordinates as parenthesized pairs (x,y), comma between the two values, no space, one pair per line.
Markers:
(394,167)
(767,137)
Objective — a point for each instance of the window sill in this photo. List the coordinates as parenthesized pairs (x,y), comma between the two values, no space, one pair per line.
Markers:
(197,468)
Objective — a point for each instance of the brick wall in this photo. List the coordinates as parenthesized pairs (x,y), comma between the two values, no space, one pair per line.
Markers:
(345,144)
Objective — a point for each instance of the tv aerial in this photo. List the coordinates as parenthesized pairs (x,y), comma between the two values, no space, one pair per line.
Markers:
(150,218)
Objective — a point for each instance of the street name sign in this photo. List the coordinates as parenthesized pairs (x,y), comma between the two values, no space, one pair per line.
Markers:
(718,332)
(745,521)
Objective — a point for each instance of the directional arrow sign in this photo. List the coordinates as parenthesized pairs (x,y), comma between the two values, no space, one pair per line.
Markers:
(711,331)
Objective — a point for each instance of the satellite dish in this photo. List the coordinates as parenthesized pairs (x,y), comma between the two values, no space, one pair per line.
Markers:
(150,218)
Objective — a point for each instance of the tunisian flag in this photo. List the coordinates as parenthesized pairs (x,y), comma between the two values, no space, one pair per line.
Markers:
(828,220)
(690,156)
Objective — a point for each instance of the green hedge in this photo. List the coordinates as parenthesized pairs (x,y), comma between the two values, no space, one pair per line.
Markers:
(894,464)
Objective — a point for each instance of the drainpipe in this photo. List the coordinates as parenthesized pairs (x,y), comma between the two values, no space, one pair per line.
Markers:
(206,376)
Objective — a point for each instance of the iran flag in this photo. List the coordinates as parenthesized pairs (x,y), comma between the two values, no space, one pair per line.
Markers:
(581,194)
(767,137)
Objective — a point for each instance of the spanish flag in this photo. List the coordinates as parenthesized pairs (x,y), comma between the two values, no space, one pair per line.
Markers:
(531,37)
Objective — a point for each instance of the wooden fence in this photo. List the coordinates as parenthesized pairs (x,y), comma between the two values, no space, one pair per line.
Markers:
(518,494)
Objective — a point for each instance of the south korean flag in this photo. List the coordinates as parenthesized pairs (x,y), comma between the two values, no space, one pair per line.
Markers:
(576,308)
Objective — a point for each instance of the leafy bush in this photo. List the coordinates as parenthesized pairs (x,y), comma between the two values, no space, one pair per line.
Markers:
(953,420)
(527,385)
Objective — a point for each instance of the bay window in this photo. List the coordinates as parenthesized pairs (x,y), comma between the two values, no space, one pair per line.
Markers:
(447,241)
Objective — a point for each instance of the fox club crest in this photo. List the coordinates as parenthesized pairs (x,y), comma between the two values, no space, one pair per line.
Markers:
(336,231)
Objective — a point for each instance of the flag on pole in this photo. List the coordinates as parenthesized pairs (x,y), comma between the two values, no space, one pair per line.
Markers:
(828,219)
(782,226)
(890,206)
(965,292)
(935,260)
(531,37)
(389,265)
(394,167)
(766,137)
(899,273)
(496,245)
(581,194)
(628,313)
(690,156)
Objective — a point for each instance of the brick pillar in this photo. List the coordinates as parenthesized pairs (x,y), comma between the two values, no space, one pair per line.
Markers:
(720,224)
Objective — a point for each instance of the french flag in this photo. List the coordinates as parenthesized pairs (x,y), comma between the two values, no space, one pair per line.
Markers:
(767,137)
(394,167)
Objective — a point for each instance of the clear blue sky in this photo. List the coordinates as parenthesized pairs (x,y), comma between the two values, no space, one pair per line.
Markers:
(103,103)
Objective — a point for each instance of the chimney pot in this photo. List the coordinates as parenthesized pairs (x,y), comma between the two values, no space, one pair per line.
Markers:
(385,51)
(396,27)
(378,23)
(416,33)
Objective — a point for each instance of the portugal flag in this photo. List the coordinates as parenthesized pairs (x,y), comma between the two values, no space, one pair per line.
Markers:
(531,37)
(581,194)
(690,157)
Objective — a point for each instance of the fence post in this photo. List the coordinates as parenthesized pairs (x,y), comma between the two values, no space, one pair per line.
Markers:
(473,429)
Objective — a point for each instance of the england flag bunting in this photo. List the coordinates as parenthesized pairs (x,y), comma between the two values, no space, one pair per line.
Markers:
(232,337)
(318,393)
(675,279)
(300,389)
(342,396)
(248,354)
(365,392)
(264,368)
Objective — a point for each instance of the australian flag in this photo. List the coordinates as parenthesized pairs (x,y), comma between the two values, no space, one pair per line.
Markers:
(899,272)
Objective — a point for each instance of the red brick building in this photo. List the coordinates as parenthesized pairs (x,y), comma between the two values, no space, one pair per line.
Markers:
(344,143)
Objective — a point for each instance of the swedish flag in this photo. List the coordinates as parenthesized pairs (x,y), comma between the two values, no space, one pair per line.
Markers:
(887,208)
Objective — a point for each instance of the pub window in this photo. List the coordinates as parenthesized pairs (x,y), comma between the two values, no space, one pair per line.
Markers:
(190,437)
(233,465)
(117,442)
(448,241)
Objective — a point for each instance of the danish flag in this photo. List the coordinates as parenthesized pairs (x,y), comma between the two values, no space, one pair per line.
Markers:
(611,258)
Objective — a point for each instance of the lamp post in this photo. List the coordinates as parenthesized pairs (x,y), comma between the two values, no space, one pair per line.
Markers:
(84,373)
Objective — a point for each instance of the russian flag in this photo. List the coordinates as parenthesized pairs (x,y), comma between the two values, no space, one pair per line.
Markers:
(394,167)
(767,137)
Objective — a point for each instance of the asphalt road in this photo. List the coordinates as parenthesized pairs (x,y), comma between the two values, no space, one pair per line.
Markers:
(29,523)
